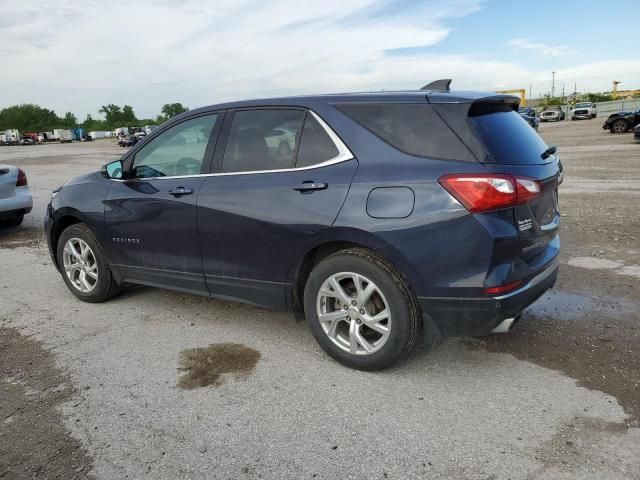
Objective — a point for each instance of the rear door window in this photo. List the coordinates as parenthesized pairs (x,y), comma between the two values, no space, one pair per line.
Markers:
(315,144)
(414,128)
(263,140)
(508,137)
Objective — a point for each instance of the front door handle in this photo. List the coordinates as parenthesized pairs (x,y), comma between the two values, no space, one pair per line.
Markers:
(180,191)
(309,185)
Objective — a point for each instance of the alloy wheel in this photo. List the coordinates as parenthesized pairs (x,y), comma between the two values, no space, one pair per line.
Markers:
(353,313)
(80,265)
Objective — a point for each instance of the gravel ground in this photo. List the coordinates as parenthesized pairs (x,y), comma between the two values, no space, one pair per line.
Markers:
(124,387)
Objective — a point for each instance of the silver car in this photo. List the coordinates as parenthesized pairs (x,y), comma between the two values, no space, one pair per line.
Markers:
(15,197)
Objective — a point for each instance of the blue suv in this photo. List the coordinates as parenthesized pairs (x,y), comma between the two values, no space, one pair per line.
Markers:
(383,218)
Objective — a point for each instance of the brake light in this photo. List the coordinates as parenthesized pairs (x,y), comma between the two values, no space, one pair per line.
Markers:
(507,287)
(22,178)
(482,193)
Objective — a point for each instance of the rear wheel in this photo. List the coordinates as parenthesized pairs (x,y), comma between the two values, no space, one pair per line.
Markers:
(619,126)
(12,222)
(360,310)
(83,265)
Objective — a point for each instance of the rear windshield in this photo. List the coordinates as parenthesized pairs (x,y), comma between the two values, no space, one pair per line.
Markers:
(508,137)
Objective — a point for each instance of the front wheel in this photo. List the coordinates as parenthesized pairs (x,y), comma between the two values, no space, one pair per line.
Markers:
(619,126)
(360,310)
(83,265)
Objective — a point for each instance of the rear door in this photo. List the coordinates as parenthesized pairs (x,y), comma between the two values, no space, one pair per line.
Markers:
(282,176)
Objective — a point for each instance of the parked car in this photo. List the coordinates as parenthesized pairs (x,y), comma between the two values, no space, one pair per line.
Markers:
(622,122)
(25,140)
(398,217)
(127,141)
(529,116)
(583,110)
(15,197)
(551,114)
(636,133)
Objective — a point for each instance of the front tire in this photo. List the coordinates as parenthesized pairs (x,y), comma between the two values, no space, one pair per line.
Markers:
(83,265)
(619,126)
(360,310)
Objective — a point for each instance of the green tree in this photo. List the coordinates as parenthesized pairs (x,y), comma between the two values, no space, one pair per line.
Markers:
(172,109)
(128,116)
(112,114)
(28,117)
(69,120)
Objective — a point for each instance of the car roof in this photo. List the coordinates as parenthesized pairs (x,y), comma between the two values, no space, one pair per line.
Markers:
(413,96)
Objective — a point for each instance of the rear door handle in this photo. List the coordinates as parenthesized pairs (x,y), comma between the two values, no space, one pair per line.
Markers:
(310,185)
(179,191)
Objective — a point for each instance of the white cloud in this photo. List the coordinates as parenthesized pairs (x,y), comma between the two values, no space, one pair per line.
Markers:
(519,44)
(78,56)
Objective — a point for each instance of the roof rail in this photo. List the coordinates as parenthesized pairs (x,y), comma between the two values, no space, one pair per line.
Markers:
(442,85)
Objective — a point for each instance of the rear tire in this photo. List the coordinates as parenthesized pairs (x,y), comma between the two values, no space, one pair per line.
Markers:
(366,327)
(83,265)
(12,222)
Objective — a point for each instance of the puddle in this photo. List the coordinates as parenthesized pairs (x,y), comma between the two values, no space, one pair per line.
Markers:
(570,306)
(205,366)
(21,237)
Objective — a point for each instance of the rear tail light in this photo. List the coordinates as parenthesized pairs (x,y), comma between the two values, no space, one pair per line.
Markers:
(482,193)
(22,178)
(507,287)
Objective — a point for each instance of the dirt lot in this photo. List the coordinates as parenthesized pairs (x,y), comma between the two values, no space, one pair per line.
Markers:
(144,386)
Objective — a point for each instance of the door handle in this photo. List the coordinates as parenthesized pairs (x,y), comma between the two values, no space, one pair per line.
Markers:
(179,191)
(309,185)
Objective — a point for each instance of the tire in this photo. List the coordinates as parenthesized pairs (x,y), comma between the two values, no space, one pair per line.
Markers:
(104,286)
(391,295)
(12,222)
(619,126)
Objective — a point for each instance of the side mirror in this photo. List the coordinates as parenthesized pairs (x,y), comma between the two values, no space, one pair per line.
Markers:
(112,170)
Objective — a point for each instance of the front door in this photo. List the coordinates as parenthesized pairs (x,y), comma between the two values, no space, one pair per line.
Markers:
(283,180)
(150,215)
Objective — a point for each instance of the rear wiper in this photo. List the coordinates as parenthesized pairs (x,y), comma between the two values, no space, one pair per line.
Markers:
(549,151)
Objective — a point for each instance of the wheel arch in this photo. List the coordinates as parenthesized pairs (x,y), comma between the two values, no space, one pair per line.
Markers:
(337,240)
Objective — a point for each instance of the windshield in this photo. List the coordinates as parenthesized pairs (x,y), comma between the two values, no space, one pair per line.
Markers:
(582,105)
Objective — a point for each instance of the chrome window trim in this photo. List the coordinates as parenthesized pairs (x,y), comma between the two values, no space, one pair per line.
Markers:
(344,154)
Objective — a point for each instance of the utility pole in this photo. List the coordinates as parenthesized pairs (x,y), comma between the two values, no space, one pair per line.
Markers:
(563,91)
(553,84)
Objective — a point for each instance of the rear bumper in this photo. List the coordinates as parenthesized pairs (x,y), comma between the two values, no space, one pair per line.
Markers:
(456,316)
(18,204)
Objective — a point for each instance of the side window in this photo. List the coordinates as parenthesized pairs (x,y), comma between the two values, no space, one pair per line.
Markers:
(315,144)
(413,128)
(178,151)
(262,140)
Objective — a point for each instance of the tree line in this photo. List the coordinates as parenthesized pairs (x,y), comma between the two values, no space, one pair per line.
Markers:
(29,117)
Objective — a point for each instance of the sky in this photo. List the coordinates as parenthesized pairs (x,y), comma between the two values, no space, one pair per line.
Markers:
(76,56)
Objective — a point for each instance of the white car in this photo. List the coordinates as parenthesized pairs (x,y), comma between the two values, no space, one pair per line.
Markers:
(583,110)
(15,197)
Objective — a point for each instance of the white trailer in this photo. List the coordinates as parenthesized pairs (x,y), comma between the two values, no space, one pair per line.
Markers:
(97,134)
(122,132)
(63,135)
(11,137)
(3,137)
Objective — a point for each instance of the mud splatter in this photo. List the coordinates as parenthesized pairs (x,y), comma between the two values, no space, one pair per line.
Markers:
(205,366)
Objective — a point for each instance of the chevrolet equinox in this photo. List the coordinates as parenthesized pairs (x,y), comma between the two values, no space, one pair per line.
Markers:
(383,218)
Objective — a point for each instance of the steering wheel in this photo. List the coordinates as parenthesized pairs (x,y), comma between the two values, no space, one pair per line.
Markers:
(187,166)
